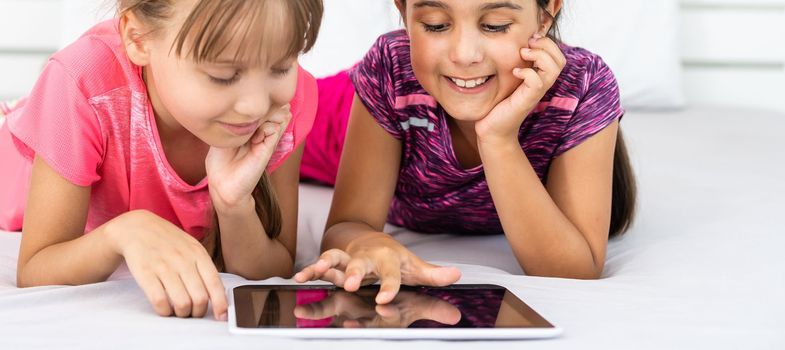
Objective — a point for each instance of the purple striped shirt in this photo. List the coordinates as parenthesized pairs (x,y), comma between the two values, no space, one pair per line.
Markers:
(434,193)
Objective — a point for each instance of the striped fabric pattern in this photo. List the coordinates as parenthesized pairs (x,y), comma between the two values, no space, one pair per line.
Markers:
(434,193)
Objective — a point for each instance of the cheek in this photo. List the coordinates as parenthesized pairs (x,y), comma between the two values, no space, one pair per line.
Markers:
(283,91)
(506,56)
(425,61)
(505,65)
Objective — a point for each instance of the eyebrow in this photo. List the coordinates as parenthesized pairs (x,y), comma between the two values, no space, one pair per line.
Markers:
(484,8)
(431,3)
(230,63)
(501,5)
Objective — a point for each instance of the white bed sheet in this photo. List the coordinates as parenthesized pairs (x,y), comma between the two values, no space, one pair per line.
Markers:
(701,268)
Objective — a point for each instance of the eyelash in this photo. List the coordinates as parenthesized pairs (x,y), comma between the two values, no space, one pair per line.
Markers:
(438,28)
(279,72)
(434,28)
(225,82)
(504,28)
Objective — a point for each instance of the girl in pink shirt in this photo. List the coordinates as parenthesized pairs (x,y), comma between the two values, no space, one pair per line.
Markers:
(155,133)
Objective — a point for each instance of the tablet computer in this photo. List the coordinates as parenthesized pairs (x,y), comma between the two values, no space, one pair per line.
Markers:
(467,311)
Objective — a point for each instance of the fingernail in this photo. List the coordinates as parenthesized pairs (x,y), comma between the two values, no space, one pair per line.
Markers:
(223,317)
(537,36)
(526,50)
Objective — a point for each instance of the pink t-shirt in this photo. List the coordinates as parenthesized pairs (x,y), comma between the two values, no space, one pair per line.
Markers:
(90,119)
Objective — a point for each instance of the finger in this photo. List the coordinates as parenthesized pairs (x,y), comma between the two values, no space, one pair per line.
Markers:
(215,287)
(178,296)
(282,115)
(356,270)
(389,316)
(388,311)
(441,311)
(336,277)
(155,293)
(433,275)
(259,135)
(550,47)
(196,289)
(265,132)
(317,310)
(543,63)
(390,276)
(531,79)
(308,273)
(335,258)
(352,324)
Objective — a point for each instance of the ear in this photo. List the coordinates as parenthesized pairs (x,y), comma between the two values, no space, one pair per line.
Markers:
(131,32)
(402,10)
(546,20)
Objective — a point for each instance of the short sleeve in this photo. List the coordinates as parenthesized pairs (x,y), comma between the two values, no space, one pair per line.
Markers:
(303,107)
(58,124)
(599,107)
(373,81)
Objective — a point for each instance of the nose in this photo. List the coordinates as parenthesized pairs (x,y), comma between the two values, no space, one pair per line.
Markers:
(466,47)
(254,101)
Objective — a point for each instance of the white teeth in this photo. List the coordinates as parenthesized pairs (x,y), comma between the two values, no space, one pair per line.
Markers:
(469,84)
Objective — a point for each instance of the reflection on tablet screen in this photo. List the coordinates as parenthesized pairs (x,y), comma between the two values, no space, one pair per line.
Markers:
(460,306)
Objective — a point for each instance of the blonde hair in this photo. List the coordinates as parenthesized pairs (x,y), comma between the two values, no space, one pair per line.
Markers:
(214,25)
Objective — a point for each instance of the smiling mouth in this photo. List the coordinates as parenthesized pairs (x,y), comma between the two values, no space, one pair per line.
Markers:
(470,83)
(241,129)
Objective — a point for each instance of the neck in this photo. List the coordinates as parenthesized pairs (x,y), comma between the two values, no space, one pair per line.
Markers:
(465,129)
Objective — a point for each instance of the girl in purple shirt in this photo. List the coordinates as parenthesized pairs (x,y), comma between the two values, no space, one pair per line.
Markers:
(471,120)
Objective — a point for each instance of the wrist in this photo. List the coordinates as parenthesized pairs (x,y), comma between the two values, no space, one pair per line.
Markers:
(115,232)
(235,208)
(371,239)
(497,142)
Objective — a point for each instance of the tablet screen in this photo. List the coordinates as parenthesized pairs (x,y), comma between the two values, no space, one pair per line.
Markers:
(458,306)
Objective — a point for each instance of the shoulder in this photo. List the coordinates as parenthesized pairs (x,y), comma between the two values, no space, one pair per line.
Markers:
(96,62)
(387,68)
(304,104)
(390,54)
(582,70)
(581,60)
(394,43)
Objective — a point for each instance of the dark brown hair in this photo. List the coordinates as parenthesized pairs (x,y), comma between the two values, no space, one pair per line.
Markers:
(625,190)
(212,27)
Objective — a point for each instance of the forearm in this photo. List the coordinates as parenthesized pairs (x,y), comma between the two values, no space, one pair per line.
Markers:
(90,258)
(247,250)
(542,238)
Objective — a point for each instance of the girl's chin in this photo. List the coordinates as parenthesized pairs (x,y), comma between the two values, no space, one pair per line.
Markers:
(225,141)
(467,113)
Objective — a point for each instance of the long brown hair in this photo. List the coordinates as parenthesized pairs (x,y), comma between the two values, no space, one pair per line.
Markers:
(624,193)
(210,28)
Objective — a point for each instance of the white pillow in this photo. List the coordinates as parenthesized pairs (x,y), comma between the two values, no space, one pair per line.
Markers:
(638,39)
